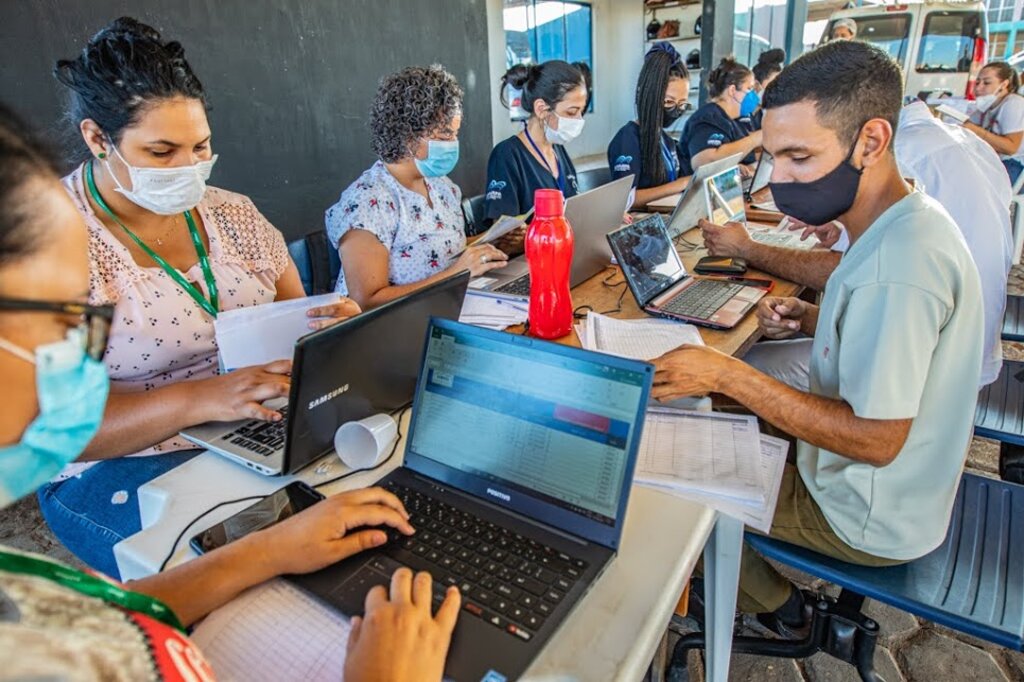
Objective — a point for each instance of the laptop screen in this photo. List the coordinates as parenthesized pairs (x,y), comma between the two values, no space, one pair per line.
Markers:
(725,197)
(559,424)
(647,257)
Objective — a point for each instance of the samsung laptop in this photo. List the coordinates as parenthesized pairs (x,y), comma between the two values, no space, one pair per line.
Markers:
(691,206)
(660,285)
(592,215)
(518,466)
(365,365)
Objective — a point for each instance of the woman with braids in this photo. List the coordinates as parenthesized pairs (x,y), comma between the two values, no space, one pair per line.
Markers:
(400,225)
(769,65)
(555,95)
(642,147)
(713,132)
(169,254)
(60,623)
(999,116)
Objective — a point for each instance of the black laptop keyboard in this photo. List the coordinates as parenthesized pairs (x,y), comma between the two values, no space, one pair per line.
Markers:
(520,286)
(702,298)
(510,581)
(264,438)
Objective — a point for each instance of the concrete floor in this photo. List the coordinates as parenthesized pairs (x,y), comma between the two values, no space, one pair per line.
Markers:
(910,649)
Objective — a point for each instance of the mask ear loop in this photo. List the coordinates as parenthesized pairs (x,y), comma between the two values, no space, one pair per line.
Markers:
(106,163)
(849,156)
(17,351)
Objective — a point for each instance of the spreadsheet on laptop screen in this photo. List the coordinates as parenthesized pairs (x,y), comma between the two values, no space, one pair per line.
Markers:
(555,427)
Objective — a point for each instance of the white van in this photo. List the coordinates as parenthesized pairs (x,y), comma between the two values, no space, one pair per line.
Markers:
(940,45)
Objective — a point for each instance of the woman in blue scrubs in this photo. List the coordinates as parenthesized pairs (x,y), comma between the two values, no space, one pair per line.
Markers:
(642,147)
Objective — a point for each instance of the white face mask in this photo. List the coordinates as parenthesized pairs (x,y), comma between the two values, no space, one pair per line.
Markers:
(568,130)
(165,191)
(985,102)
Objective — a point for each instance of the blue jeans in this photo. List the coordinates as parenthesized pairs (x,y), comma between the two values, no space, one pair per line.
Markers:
(1013,169)
(91,513)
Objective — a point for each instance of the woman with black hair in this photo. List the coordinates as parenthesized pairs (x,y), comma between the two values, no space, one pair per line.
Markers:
(642,147)
(169,254)
(713,132)
(555,95)
(769,65)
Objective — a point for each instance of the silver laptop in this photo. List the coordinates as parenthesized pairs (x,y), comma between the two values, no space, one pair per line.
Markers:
(762,175)
(692,205)
(592,215)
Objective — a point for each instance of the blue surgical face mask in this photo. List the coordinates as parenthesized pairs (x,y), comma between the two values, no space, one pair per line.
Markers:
(72,392)
(442,155)
(749,104)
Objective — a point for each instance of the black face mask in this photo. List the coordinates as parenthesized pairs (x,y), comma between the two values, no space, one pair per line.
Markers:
(823,200)
(671,114)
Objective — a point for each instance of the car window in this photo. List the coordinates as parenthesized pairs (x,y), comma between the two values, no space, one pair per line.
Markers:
(947,43)
(887,31)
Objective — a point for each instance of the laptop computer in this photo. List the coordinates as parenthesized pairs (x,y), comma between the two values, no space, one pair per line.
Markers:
(365,365)
(724,198)
(691,206)
(661,287)
(518,467)
(592,215)
(762,176)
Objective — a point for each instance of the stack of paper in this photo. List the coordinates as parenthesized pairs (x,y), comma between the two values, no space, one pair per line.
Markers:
(483,310)
(263,333)
(503,226)
(781,235)
(720,460)
(644,339)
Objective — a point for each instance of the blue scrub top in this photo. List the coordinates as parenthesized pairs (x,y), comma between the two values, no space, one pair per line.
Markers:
(709,128)
(513,175)
(624,156)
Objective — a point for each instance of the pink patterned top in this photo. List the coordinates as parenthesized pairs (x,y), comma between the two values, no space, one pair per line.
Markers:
(159,335)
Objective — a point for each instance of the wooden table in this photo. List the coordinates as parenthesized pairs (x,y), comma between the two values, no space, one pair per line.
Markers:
(602,293)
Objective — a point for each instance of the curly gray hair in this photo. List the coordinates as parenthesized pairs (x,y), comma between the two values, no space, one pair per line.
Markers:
(411,105)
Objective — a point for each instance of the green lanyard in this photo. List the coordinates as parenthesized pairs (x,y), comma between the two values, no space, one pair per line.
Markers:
(211,306)
(90,586)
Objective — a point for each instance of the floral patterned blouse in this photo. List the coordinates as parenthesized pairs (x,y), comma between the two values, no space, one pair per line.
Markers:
(422,238)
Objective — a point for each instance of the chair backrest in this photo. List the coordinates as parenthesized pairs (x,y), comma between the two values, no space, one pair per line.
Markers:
(473,210)
(595,177)
(318,262)
(973,582)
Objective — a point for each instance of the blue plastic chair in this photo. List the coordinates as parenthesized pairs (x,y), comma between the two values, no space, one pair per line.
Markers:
(973,583)
(1000,411)
(317,261)
(1013,320)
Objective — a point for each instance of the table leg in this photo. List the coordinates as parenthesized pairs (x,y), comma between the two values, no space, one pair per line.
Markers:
(721,580)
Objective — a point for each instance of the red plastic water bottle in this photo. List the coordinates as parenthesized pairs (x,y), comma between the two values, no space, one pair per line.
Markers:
(549,244)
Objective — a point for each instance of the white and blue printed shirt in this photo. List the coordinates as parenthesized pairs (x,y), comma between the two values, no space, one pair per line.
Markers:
(422,238)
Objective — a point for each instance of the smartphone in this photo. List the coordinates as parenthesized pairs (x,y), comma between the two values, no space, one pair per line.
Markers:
(273,508)
(720,265)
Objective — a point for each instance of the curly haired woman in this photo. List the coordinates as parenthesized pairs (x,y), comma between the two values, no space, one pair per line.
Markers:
(400,226)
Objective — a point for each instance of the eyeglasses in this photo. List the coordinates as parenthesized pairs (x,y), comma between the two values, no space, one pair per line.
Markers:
(96,319)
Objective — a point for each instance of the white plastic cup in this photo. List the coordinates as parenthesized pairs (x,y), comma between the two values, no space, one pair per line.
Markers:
(364,443)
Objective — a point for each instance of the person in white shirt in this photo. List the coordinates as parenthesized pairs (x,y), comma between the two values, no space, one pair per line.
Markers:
(948,163)
(999,116)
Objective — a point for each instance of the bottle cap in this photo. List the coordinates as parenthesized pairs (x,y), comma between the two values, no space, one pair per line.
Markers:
(548,203)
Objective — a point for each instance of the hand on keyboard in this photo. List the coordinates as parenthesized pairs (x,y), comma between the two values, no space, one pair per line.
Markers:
(334,529)
(398,639)
(239,394)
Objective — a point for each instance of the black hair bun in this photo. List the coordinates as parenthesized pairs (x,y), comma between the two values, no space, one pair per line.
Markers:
(772,57)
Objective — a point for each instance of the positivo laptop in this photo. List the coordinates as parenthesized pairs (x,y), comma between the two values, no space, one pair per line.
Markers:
(518,467)
(592,215)
(691,206)
(362,366)
(724,198)
(660,285)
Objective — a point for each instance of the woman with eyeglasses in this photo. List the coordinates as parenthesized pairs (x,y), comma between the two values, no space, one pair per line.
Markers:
(169,254)
(61,623)
(642,147)
(713,132)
